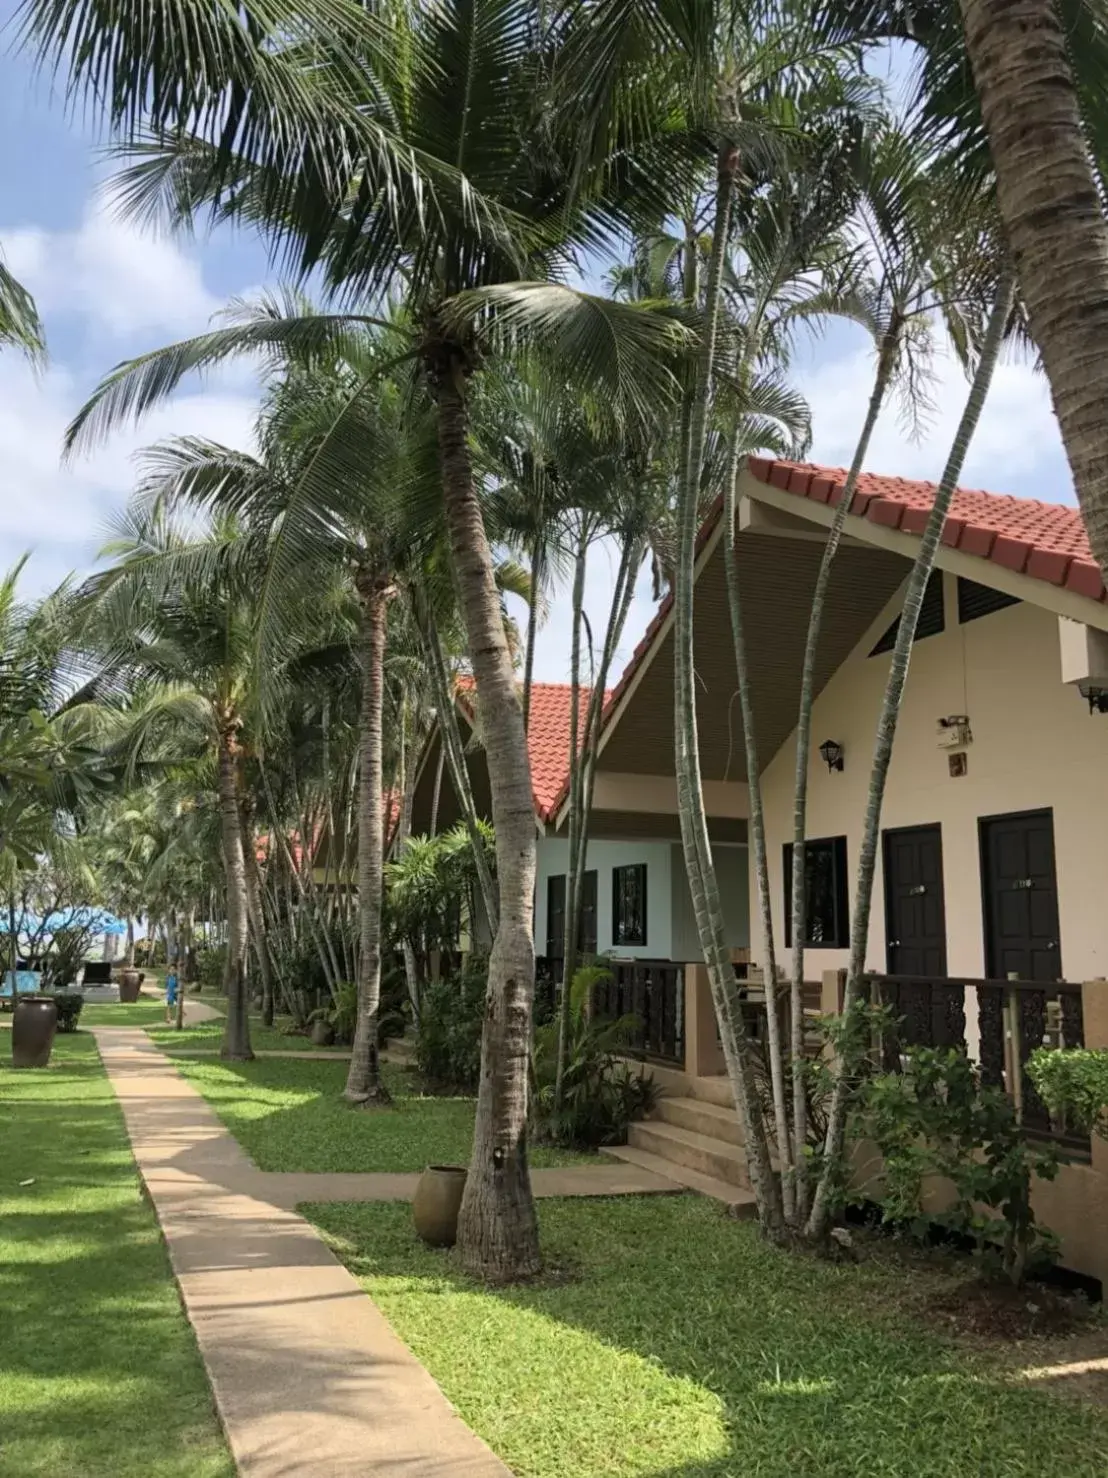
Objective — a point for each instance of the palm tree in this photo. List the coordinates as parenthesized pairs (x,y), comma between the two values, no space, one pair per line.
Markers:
(351,506)
(404,145)
(1050,197)
(998,325)
(19,321)
(175,610)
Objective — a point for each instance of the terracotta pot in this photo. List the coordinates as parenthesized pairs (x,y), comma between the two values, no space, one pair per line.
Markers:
(129,982)
(33,1026)
(438,1199)
(323,1033)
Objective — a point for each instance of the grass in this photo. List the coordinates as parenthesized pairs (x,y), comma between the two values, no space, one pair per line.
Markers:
(99,1372)
(208,1035)
(146,1011)
(677,1344)
(288,1114)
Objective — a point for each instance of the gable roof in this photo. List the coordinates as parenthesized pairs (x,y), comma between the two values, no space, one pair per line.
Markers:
(1045,541)
(548,735)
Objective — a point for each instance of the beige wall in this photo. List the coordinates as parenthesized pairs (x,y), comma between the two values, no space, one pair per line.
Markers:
(1034,745)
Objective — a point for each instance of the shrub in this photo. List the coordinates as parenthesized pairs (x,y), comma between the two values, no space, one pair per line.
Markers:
(69,1004)
(935,1118)
(1073,1083)
(448,1045)
(211,961)
(392,1016)
(600,1095)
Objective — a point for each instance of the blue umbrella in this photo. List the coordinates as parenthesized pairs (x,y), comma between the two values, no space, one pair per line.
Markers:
(81,917)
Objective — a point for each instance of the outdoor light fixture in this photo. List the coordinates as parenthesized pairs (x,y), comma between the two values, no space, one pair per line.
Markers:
(1097,698)
(832,752)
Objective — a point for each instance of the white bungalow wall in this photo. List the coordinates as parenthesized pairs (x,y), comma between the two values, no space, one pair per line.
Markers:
(1034,746)
(670,926)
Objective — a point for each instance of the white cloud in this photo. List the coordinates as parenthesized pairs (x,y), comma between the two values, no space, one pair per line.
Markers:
(1017,447)
(119,280)
(60,512)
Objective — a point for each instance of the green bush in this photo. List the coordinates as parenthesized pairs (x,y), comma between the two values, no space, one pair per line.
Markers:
(211,961)
(936,1118)
(1073,1083)
(448,1045)
(601,1096)
(392,1017)
(69,1004)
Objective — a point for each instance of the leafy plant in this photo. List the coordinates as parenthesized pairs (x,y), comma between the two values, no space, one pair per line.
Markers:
(448,1048)
(69,1005)
(1073,1083)
(936,1119)
(600,1094)
(342,1014)
(210,965)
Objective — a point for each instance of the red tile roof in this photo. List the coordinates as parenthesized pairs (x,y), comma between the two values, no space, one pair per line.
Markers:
(1045,541)
(547,739)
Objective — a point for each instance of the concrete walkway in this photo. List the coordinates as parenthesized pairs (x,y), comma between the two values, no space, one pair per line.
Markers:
(308,1377)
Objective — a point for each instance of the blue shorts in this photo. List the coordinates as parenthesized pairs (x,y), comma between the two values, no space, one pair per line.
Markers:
(171,994)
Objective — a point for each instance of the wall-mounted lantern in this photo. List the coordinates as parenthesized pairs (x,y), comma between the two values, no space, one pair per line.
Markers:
(832,752)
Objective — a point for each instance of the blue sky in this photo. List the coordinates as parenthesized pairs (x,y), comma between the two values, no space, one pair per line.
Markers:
(107,293)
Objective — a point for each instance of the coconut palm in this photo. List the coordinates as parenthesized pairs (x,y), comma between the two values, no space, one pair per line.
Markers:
(393,145)
(175,610)
(19,321)
(1049,174)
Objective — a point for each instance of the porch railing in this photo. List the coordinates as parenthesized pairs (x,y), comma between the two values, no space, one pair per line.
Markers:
(651,991)
(1013,1017)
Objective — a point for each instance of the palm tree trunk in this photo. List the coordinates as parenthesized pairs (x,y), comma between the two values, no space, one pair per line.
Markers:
(454,752)
(703,883)
(789,1167)
(257,915)
(538,559)
(436,793)
(236,1033)
(574,872)
(1053,216)
(362,1079)
(885,362)
(819,1220)
(129,956)
(498,1235)
(407,783)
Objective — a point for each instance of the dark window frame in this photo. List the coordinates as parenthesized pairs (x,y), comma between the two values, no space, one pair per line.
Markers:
(619,939)
(975,601)
(837,935)
(557,940)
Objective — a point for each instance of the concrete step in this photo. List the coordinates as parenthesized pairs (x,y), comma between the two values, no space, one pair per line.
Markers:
(711,1119)
(741,1201)
(700,1152)
(715,1090)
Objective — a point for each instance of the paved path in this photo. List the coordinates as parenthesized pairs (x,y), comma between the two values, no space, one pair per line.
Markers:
(308,1377)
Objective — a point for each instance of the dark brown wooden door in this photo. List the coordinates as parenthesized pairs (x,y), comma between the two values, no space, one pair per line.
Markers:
(915,912)
(1020,896)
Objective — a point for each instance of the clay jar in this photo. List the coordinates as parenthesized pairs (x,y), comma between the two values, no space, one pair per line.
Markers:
(33,1026)
(438,1199)
(129,982)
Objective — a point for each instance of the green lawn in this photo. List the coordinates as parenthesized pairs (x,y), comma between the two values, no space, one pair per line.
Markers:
(146,1011)
(289,1115)
(99,1372)
(674,1343)
(209,1034)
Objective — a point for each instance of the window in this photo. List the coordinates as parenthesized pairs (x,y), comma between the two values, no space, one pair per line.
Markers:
(828,922)
(629,904)
(556,916)
(975,601)
(931,619)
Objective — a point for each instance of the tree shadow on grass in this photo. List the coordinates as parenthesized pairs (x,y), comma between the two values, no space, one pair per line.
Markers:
(661,1320)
